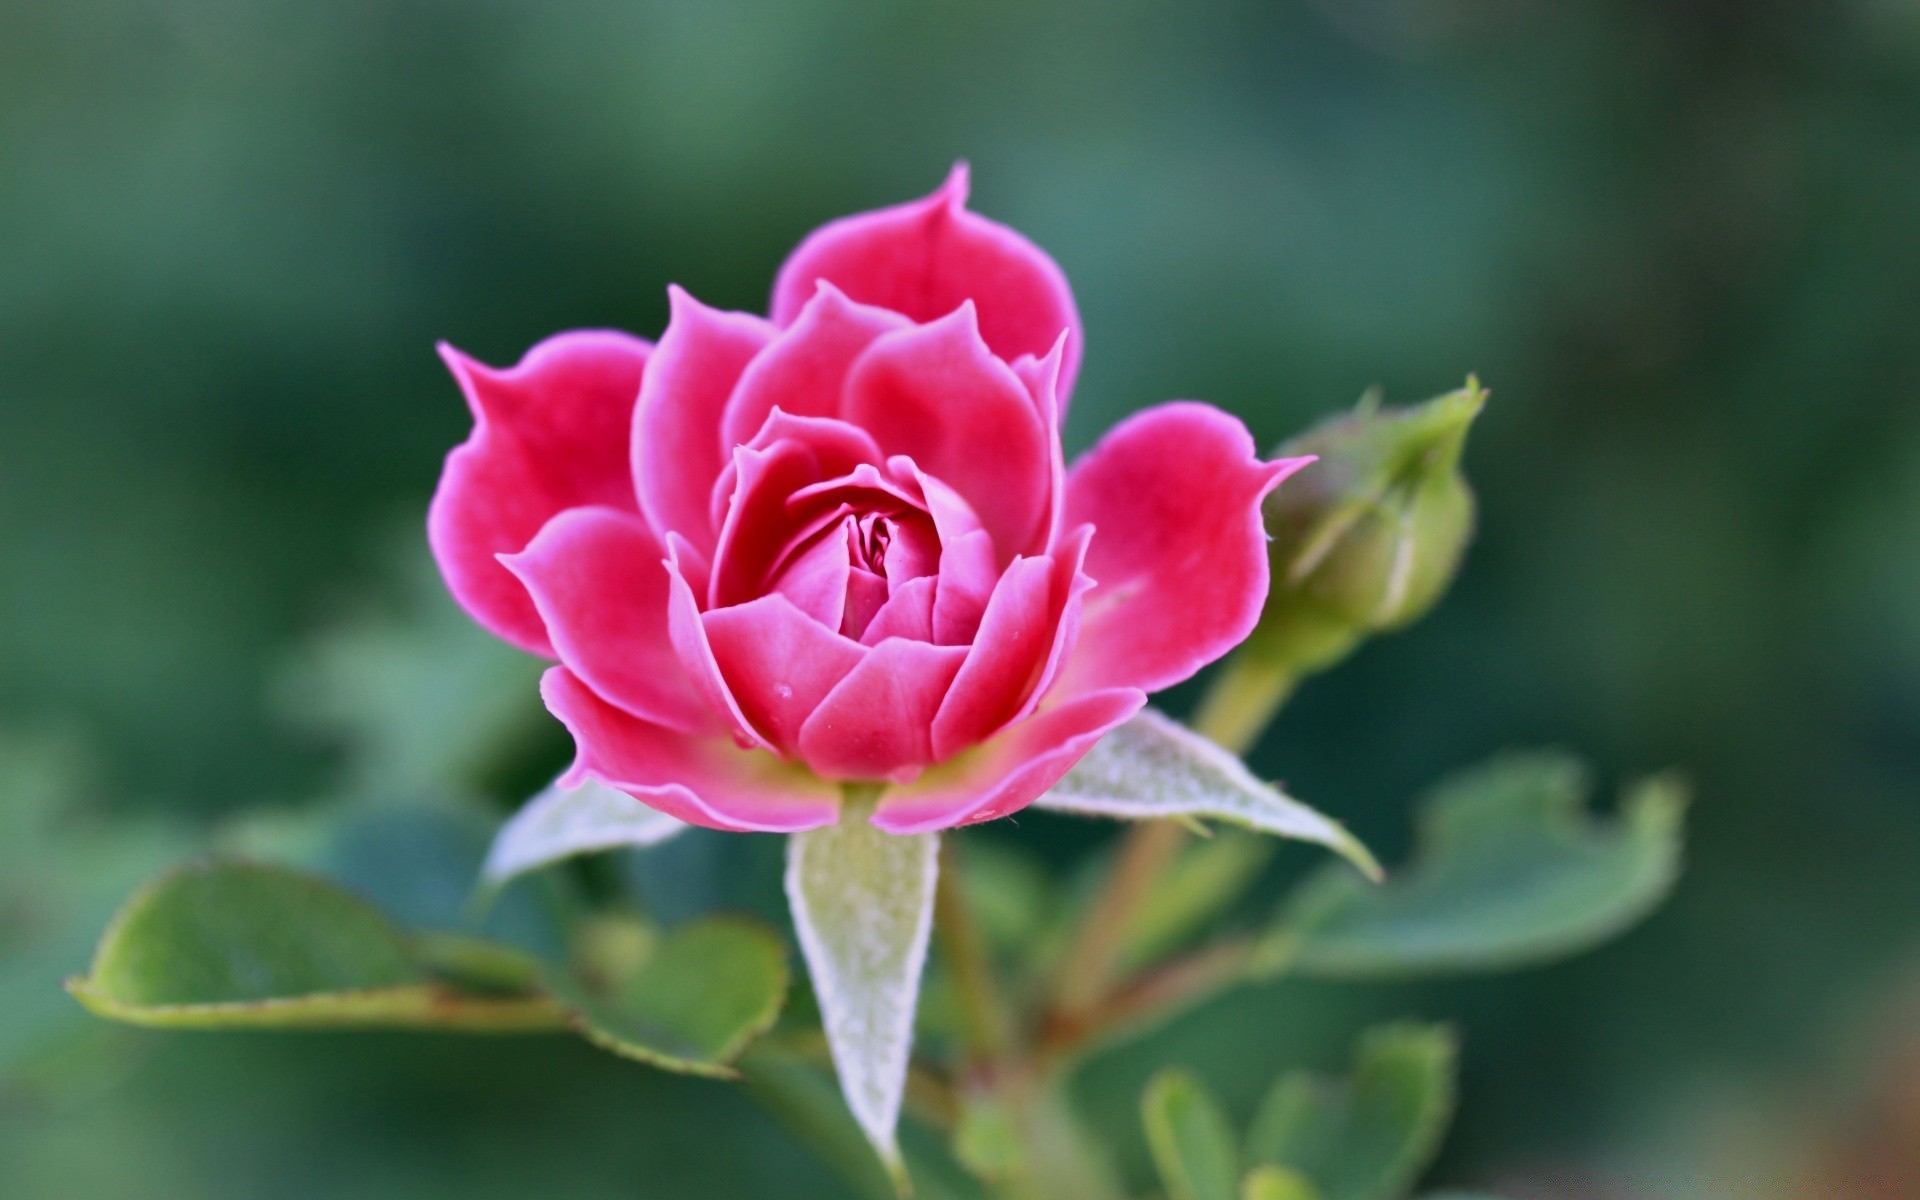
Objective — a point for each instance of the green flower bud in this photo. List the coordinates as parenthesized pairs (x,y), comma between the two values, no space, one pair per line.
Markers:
(1366,539)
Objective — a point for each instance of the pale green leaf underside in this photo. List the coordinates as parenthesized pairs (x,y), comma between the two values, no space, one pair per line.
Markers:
(1193,1147)
(862,903)
(562,822)
(1154,767)
(1368,1136)
(1510,870)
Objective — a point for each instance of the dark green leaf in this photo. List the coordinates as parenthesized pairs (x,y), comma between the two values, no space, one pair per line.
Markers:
(226,945)
(694,1000)
(1192,1145)
(1369,1136)
(1510,870)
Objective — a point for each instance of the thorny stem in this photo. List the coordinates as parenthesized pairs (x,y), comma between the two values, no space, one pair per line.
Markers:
(1234,712)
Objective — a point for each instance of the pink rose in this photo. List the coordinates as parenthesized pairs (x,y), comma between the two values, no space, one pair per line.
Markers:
(775,556)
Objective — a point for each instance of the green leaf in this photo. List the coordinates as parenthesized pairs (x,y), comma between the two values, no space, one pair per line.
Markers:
(1277,1183)
(692,1000)
(1153,767)
(1369,1136)
(1510,870)
(1192,1145)
(862,902)
(562,822)
(230,945)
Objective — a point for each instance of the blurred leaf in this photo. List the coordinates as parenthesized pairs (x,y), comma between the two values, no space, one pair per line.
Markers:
(985,1139)
(808,1103)
(695,999)
(562,822)
(1193,1147)
(1510,870)
(415,859)
(1202,883)
(422,697)
(224,945)
(1010,891)
(1366,1137)
(64,870)
(1154,767)
(862,903)
(1277,1183)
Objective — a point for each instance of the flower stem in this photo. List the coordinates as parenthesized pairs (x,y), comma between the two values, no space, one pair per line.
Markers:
(984,1019)
(1242,702)
(1235,710)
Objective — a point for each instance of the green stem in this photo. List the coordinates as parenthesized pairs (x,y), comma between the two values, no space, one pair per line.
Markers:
(1242,702)
(984,1019)
(1235,710)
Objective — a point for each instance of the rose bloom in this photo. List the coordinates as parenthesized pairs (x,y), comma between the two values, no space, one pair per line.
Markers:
(776,556)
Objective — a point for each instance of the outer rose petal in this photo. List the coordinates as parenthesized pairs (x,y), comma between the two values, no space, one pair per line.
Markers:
(804,371)
(874,724)
(549,434)
(702,781)
(1008,771)
(596,577)
(778,662)
(925,258)
(936,394)
(677,453)
(1179,554)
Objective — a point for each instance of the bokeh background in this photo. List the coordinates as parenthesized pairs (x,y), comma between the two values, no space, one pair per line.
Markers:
(1680,240)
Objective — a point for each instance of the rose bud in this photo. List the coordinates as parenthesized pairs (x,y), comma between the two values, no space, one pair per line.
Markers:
(1367,539)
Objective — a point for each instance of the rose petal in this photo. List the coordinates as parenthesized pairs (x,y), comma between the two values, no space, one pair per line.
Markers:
(838,446)
(596,577)
(967,576)
(759,525)
(778,662)
(702,781)
(817,578)
(1017,641)
(804,370)
(874,724)
(690,645)
(677,451)
(937,395)
(925,258)
(549,434)
(908,613)
(1008,771)
(1042,379)
(1179,553)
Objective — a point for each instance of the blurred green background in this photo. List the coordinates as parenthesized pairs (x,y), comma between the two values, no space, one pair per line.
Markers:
(1679,240)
